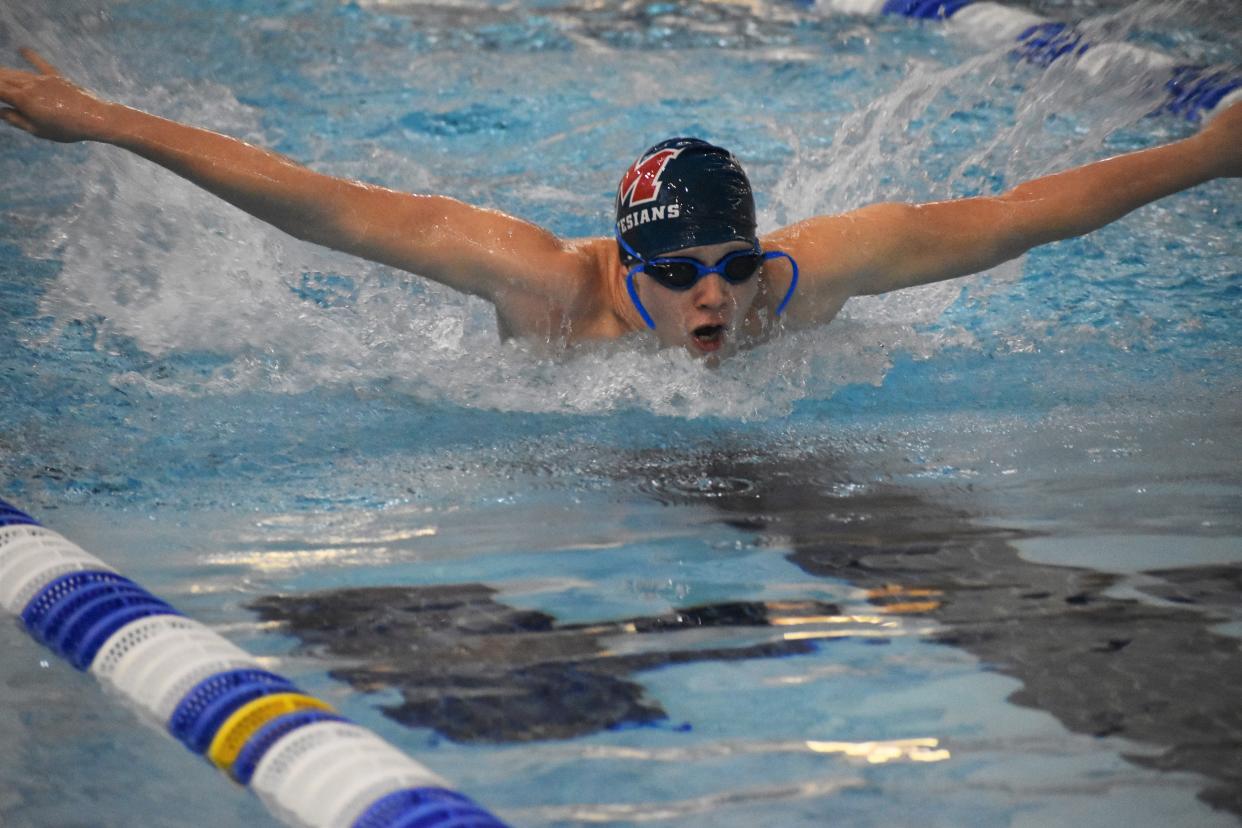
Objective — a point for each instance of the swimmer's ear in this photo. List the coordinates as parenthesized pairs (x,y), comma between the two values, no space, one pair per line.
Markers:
(38,62)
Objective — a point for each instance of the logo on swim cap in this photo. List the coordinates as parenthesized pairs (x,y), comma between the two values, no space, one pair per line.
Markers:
(683,192)
(641,183)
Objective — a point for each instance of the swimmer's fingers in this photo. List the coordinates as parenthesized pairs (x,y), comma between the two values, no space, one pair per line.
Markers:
(13,117)
(9,89)
(36,60)
(13,79)
(47,105)
(12,84)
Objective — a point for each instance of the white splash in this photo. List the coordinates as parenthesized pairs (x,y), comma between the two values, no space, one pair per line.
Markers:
(150,258)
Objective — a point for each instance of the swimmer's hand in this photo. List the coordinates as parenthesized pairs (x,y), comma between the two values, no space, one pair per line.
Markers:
(47,105)
(1221,139)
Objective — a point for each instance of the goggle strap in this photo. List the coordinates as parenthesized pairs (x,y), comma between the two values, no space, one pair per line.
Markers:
(631,251)
(629,283)
(638,305)
(793,283)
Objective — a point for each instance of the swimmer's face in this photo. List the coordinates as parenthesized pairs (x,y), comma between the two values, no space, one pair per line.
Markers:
(706,318)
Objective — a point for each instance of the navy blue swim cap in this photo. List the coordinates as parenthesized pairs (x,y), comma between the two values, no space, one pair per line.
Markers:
(683,192)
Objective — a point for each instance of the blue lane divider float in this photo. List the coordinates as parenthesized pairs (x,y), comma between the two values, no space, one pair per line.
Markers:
(268,734)
(1192,91)
(310,766)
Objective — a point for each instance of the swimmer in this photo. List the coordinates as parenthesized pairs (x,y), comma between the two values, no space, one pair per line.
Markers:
(685,261)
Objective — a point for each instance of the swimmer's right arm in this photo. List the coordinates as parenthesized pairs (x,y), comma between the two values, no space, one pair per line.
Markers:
(477,251)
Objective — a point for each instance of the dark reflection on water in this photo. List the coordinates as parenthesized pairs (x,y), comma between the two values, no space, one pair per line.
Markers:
(476,670)
(1102,665)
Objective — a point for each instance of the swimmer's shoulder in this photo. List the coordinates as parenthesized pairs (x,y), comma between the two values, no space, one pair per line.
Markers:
(604,310)
(588,305)
(821,248)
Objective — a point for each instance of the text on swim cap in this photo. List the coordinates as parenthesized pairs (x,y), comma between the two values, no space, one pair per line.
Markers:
(630,221)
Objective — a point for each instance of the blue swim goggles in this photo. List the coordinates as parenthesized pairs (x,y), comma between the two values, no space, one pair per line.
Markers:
(678,273)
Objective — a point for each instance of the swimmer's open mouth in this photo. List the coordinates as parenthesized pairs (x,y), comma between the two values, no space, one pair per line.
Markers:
(708,334)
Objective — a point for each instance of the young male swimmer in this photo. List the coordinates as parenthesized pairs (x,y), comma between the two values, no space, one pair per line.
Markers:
(685,260)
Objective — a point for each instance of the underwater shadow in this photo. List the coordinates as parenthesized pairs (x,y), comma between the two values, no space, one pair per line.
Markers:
(476,670)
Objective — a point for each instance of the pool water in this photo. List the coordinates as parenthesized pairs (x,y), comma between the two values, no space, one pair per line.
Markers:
(968,556)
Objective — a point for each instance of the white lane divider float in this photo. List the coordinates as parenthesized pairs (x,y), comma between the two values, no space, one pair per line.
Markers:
(309,766)
(1192,91)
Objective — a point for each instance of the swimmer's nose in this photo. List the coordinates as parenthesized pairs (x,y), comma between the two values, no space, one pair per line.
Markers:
(711,293)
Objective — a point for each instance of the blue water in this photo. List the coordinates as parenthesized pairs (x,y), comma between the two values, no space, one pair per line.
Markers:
(226,413)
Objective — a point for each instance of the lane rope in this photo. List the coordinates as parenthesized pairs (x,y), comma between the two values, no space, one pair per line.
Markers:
(309,766)
(1192,91)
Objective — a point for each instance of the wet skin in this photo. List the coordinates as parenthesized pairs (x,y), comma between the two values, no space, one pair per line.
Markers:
(563,292)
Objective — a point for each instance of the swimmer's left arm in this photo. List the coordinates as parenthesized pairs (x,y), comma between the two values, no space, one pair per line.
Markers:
(886,247)
(475,250)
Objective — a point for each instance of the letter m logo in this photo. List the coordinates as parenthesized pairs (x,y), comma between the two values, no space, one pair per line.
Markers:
(641,182)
